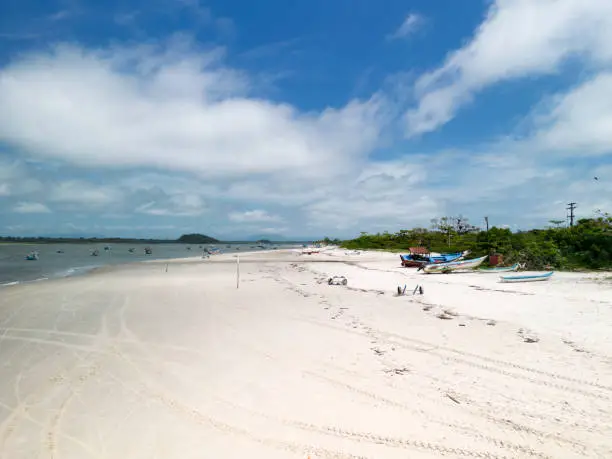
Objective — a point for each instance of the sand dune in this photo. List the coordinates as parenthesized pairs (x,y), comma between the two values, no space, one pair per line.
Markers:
(137,362)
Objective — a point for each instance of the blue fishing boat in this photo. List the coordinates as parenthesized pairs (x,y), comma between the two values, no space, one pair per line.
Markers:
(420,256)
(501,269)
(32,256)
(527,277)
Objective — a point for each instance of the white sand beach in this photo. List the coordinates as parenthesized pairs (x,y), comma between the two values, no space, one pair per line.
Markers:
(144,361)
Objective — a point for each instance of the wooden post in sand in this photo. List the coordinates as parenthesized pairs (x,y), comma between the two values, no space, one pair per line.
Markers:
(237,272)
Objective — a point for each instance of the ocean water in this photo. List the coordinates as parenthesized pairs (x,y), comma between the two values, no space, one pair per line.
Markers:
(77,259)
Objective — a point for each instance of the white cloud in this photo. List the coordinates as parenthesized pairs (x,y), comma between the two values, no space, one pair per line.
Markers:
(5,190)
(172,107)
(180,205)
(409,26)
(579,121)
(518,38)
(31,208)
(253,216)
(84,193)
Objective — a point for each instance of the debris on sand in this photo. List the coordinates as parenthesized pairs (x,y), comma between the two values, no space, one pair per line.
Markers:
(453,398)
(444,316)
(491,323)
(528,336)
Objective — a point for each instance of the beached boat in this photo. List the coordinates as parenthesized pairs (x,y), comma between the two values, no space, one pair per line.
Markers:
(454,265)
(420,256)
(501,269)
(32,256)
(527,277)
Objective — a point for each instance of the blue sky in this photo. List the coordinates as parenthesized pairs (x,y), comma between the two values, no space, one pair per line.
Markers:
(303,118)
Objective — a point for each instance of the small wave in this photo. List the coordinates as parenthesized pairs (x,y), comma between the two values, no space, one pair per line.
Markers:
(8,284)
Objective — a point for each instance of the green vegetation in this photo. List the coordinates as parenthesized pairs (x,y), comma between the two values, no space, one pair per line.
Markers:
(587,245)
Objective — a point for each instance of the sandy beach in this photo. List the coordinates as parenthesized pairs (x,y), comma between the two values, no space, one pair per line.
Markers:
(172,361)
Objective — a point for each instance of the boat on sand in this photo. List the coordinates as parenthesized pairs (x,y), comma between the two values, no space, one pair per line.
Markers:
(420,256)
(501,269)
(527,277)
(454,266)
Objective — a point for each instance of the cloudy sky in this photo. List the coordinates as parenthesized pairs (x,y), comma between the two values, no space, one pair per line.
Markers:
(301,118)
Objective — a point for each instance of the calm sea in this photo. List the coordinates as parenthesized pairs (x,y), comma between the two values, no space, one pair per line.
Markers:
(61,260)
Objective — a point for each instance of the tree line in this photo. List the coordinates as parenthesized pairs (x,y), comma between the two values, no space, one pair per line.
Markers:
(586,245)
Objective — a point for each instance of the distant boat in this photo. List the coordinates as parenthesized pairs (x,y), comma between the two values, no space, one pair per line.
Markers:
(131,250)
(60,251)
(148,251)
(32,256)
(95,253)
(188,248)
(501,269)
(454,265)
(527,277)
(107,247)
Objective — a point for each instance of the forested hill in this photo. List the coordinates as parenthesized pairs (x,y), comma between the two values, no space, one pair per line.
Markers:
(196,239)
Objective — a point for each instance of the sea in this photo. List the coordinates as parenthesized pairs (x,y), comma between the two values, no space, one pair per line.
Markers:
(63,260)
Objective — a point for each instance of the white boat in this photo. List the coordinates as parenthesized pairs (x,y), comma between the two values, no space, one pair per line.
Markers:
(527,277)
(501,269)
(454,265)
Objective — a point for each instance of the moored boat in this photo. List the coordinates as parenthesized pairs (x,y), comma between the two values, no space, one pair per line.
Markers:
(454,265)
(32,256)
(95,253)
(527,277)
(148,251)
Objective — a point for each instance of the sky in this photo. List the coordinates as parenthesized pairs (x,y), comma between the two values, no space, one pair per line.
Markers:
(307,118)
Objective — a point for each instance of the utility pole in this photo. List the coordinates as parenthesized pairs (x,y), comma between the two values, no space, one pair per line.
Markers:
(571,207)
(486,219)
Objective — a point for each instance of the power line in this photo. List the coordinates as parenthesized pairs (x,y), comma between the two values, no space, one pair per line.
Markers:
(571,207)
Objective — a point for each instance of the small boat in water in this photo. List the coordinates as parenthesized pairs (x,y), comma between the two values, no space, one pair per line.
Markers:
(32,256)
(501,269)
(59,251)
(95,253)
(454,265)
(148,251)
(131,250)
(527,277)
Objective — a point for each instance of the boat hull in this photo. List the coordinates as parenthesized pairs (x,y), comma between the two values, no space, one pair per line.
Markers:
(454,266)
(527,278)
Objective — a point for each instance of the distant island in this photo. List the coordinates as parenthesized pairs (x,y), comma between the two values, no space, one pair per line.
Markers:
(196,239)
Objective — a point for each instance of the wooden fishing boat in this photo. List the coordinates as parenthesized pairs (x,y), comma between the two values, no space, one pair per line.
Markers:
(527,277)
(420,256)
(501,269)
(454,265)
